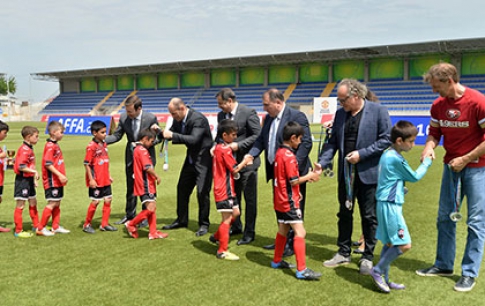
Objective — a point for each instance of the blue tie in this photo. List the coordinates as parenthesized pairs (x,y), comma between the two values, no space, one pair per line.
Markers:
(182,130)
(272,141)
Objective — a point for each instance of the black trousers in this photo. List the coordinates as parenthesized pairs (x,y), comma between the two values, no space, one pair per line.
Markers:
(130,207)
(247,185)
(192,175)
(365,195)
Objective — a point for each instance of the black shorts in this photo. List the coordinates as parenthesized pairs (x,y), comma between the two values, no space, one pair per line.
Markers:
(1,191)
(148,197)
(100,193)
(54,193)
(292,216)
(227,205)
(24,188)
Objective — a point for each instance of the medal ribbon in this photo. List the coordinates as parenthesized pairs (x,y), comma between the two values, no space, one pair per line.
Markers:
(455,188)
(349,176)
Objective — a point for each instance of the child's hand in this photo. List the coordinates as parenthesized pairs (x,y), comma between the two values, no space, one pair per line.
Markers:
(63,179)
(158,180)
(92,183)
(37,177)
(313,176)
(111,179)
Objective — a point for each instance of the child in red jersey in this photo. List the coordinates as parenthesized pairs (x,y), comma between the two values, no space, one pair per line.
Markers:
(54,179)
(26,178)
(145,179)
(287,202)
(3,155)
(224,167)
(98,179)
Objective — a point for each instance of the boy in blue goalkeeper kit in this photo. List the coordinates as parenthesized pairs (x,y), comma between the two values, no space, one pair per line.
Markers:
(391,227)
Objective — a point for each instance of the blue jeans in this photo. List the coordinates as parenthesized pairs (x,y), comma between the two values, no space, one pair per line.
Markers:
(473,187)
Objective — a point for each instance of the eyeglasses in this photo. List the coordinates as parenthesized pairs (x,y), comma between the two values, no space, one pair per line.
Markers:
(342,101)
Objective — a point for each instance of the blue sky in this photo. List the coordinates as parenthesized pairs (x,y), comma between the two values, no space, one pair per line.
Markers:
(55,35)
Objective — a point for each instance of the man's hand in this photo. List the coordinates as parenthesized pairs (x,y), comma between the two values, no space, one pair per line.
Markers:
(167,134)
(234,146)
(353,157)
(248,159)
(317,168)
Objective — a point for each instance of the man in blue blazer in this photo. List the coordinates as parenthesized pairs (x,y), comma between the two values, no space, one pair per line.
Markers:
(279,113)
(360,134)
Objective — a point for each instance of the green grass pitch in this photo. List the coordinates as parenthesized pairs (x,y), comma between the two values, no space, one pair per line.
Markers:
(114,269)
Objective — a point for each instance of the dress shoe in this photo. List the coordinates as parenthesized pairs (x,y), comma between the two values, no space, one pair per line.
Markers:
(234,231)
(122,220)
(174,225)
(202,231)
(245,240)
(288,252)
(268,247)
(143,223)
(358,251)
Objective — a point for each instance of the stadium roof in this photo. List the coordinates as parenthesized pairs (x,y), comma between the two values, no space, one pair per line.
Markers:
(399,51)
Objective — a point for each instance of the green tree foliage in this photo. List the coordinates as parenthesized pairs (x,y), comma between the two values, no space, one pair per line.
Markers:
(12,85)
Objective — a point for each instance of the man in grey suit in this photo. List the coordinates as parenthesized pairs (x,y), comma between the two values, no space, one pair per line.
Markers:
(192,129)
(271,138)
(360,134)
(249,127)
(131,123)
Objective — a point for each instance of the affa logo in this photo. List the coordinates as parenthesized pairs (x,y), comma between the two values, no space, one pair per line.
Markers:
(453,114)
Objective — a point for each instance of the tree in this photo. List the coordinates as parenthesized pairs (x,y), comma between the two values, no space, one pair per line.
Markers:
(12,85)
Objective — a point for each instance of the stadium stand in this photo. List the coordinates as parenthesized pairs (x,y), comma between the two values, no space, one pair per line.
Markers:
(397,95)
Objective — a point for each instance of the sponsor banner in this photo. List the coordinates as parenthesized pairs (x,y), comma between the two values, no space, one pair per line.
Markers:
(79,125)
(324,109)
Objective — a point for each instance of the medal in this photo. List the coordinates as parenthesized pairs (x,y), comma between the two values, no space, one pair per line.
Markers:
(406,190)
(349,204)
(328,172)
(456,216)
(237,176)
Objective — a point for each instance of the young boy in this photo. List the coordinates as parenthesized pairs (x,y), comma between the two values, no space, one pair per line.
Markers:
(391,227)
(145,179)
(3,155)
(98,179)
(54,179)
(224,166)
(26,178)
(287,202)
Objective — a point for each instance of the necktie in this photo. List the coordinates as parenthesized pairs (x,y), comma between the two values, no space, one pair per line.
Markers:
(272,140)
(136,128)
(182,130)
(229,116)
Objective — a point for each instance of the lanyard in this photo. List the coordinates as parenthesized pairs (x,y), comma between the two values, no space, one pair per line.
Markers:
(455,187)
(349,176)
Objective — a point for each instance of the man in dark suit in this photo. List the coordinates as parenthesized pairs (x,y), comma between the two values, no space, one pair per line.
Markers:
(360,134)
(131,123)
(249,127)
(192,129)
(271,138)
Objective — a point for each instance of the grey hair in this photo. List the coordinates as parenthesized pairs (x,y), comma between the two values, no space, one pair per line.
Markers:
(354,87)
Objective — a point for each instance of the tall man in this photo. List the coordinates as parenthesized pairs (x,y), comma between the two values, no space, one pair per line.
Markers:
(459,116)
(249,127)
(360,134)
(192,129)
(271,138)
(131,123)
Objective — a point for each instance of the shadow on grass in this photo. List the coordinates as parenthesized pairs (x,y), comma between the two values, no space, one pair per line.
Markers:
(350,274)
(264,260)
(205,246)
